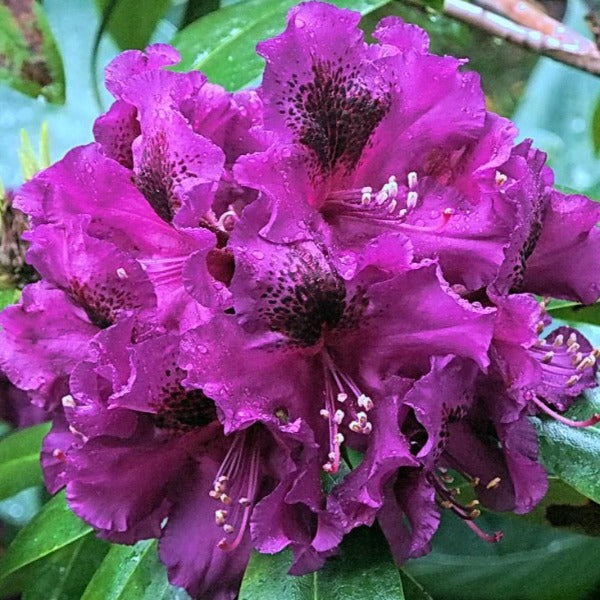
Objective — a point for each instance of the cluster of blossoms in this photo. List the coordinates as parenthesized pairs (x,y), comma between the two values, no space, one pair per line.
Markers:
(238,288)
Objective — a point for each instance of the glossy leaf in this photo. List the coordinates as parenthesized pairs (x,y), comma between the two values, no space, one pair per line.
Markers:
(223,43)
(20,459)
(54,528)
(131,573)
(573,312)
(29,58)
(364,569)
(572,453)
(131,23)
(532,562)
(413,590)
(64,574)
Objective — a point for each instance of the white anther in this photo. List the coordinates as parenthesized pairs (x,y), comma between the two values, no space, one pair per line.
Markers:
(411,199)
(577,358)
(493,483)
(362,418)
(339,438)
(68,401)
(588,361)
(328,467)
(355,427)
(324,413)
(122,273)
(225,499)
(367,428)
(342,397)
(365,402)
(220,517)
(540,327)
(366,195)
(402,213)
(559,340)
(548,357)
(412,180)
(573,380)
(381,197)
(227,528)
(243,501)
(392,207)
(222,479)
(392,186)
(339,416)
(572,339)
(573,348)
(500,178)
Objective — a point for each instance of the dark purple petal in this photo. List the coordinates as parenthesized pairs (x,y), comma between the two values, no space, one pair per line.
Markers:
(116,130)
(563,262)
(43,337)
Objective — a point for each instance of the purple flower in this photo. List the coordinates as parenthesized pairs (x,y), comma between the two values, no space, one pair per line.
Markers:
(16,408)
(318,346)
(87,285)
(160,115)
(134,447)
(342,109)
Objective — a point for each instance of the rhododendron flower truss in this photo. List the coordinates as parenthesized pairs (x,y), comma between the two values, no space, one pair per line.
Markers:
(134,447)
(228,297)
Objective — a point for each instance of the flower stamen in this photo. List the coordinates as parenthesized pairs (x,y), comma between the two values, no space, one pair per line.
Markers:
(561,419)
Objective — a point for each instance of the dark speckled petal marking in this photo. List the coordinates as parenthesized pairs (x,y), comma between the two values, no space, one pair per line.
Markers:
(304,297)
(334,115)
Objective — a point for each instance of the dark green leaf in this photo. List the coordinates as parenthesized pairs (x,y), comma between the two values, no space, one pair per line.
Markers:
(532,562)
(131,573)
(222,44)
(64,574)
(20,459)
(55,527)
(572,453)
(413,590)
(364,569)
(29,58)
(194,9)
(596,127)
(131,22)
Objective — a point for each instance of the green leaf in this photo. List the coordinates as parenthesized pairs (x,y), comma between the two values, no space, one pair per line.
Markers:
(364,569)
(532,562)
(222,44)
(413,590)
(64,574)
(20,459)
(55,527)
(572,453)
(131,22)
(596,128)
(131,573)
(572,312)
(8,297)
(29,58)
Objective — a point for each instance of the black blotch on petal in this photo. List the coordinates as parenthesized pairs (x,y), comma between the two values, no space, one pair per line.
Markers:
(334,114)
